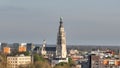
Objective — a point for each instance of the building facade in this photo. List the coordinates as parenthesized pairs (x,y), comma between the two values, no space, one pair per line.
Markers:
(3,45)
(43,49)
(16,61)
(22,48)
(30,47)
(6,50)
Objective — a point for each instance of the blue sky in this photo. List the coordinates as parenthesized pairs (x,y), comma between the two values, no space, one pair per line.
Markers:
(85,21)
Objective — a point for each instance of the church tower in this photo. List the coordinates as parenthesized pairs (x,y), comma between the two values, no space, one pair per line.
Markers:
(61,51)
(43,51)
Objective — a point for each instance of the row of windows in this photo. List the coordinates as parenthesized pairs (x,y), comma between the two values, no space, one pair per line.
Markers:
(19,58)
(12,58)
(12,61)
(13,65)
(21,62)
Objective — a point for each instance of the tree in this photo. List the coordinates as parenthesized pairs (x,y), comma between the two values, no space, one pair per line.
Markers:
(38,58)
(62,65)
(39,64)
(71,62)
(3,62)
(26,53)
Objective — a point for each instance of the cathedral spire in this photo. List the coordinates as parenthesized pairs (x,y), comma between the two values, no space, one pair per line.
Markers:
(61,18)
(61,21)
(61,51)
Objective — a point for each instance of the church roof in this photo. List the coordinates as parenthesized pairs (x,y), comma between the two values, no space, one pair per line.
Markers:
(50,48)
(36,48)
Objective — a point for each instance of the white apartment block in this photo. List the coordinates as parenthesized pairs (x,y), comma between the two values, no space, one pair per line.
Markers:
(16,61)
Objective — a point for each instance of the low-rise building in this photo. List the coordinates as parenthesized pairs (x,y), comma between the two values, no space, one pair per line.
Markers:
(16,61)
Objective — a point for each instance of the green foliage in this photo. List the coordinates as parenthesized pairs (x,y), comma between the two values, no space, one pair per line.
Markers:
(38,58)
(71,62)
(39,64)
(62,65)
(26,53)
(3,62)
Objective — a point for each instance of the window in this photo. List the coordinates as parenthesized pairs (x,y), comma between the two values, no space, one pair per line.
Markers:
(15,61)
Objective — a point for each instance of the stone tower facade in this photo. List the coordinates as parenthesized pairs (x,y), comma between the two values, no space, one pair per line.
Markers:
(61,51)
(43,51)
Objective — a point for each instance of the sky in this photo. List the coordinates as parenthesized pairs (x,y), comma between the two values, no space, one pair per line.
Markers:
(86,22)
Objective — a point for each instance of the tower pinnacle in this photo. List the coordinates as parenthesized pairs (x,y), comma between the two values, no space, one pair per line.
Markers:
(61,22)
(61,18)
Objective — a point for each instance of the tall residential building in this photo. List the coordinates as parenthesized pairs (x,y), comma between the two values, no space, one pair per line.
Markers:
(61,51)
(22,48)
(3,45)
(30,47)
(15,47)
(16,61)
(94,61)
(6,50)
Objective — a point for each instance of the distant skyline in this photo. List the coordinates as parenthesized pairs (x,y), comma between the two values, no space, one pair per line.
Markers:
(85,22)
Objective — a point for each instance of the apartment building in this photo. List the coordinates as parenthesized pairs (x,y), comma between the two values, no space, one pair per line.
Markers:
(16,61)
(6,50)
